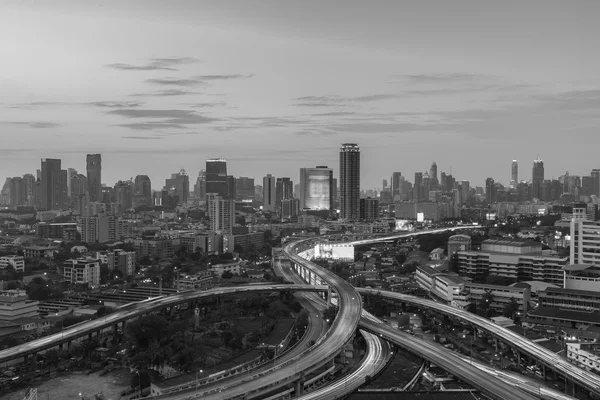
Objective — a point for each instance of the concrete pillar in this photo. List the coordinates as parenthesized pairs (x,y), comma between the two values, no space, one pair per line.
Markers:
(299,388)
(543,369)
(90,337)
(33,361)
(328,296)
(115,332)
(69,345)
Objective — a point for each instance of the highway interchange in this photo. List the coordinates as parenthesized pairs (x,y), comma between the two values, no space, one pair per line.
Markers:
(350,315)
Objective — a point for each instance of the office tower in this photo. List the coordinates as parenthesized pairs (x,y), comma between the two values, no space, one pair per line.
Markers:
(290,208)
(417,187)
(221,213)
(29,183)
(384,184)
(537,177)
(350,181)
(244,189)
(334,191)
(94,176)
(595,175)
(465,191)
(269,193)
(143,186)
(216,178)
(200,185)
(231,187)
(396,184)
(78,185)
(316,188)
(490,190)
(71,172)
(514,174)
(284,189)
(433,175)
(369,209)
(123,196)
(587,185)
(16,190)
(180,184)
(51,184)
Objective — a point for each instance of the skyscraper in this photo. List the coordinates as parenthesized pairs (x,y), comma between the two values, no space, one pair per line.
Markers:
(316,188)
(433,175)
(418,186)
(395,183)
(350,181)
(490,190)
(52,185)
(143,186)
(514,176)
(123,196)
(284,189)
(537,177)
(71,172)
(200,186)
(217,180)
(180,185)
(369,209)
(244,189)
(29,182)
(595,174)
(94,176)
(269,193)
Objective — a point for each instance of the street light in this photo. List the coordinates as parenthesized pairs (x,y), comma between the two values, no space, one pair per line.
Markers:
(139,382)
(198,372)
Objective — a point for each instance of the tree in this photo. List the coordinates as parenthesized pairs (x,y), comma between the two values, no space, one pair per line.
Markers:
(227,275)
(511,308)
(140,379)
(330,313)
(144,330)
(485,303)
(104,273)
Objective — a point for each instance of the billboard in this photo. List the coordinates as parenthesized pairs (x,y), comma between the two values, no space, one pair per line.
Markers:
(490,216)
(403,225)
(420,217)
(334,251)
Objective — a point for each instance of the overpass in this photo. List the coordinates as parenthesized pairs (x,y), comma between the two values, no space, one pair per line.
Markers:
(134,310)
(541,355)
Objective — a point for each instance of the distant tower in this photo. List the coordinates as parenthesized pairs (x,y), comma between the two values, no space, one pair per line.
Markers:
(94,176)
(350,181)
(514,176)
(433,175)
(269,192)
(537,177)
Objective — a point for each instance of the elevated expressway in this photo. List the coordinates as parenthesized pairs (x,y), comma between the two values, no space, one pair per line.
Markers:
(541,355)
(134,310)
(448,360)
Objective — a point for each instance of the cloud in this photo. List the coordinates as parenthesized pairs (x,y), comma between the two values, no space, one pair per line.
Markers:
(331,101)
(142,137)
(165,93)
(432,78)
(315,132)
(176,119)
(176,81)
(116,104)
(208,105)
(574,100)
(34,124)
(334,114)
(39,104)
(155,64)
(222,77)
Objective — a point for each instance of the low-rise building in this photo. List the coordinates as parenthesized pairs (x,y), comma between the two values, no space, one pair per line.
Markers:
(82,271)
(219,269)
(199,280)
(156,247)
(14,305)
(247,241)
(121,260)
(16,262)
(585,355)
(582,277)
(39,252)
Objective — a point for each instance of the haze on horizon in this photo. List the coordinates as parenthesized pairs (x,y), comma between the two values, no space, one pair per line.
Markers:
(273,86)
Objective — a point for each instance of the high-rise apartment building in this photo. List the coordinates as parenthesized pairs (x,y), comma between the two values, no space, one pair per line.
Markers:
(121,260)
(94,176)
(585,236)
(595,175)
(316,188)
(514,174)
(350,181)
(537,177)
(103,228)
(53,185)
(78,185)
(369,209)
(269,193)
(221,213)
(290,208)
(30,192)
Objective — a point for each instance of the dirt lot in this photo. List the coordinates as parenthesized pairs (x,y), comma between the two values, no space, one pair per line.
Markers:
(69,386)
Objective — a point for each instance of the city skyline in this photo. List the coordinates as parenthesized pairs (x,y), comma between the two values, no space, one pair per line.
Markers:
(277,88)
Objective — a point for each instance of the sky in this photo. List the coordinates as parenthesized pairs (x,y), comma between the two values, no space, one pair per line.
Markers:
(276,85)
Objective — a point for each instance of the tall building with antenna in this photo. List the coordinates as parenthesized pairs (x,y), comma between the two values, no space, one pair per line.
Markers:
(514,174)
(350,181)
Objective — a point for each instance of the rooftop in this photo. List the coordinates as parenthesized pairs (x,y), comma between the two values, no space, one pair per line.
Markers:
(567,315)
(512,242)
(578,267)
(574,292)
